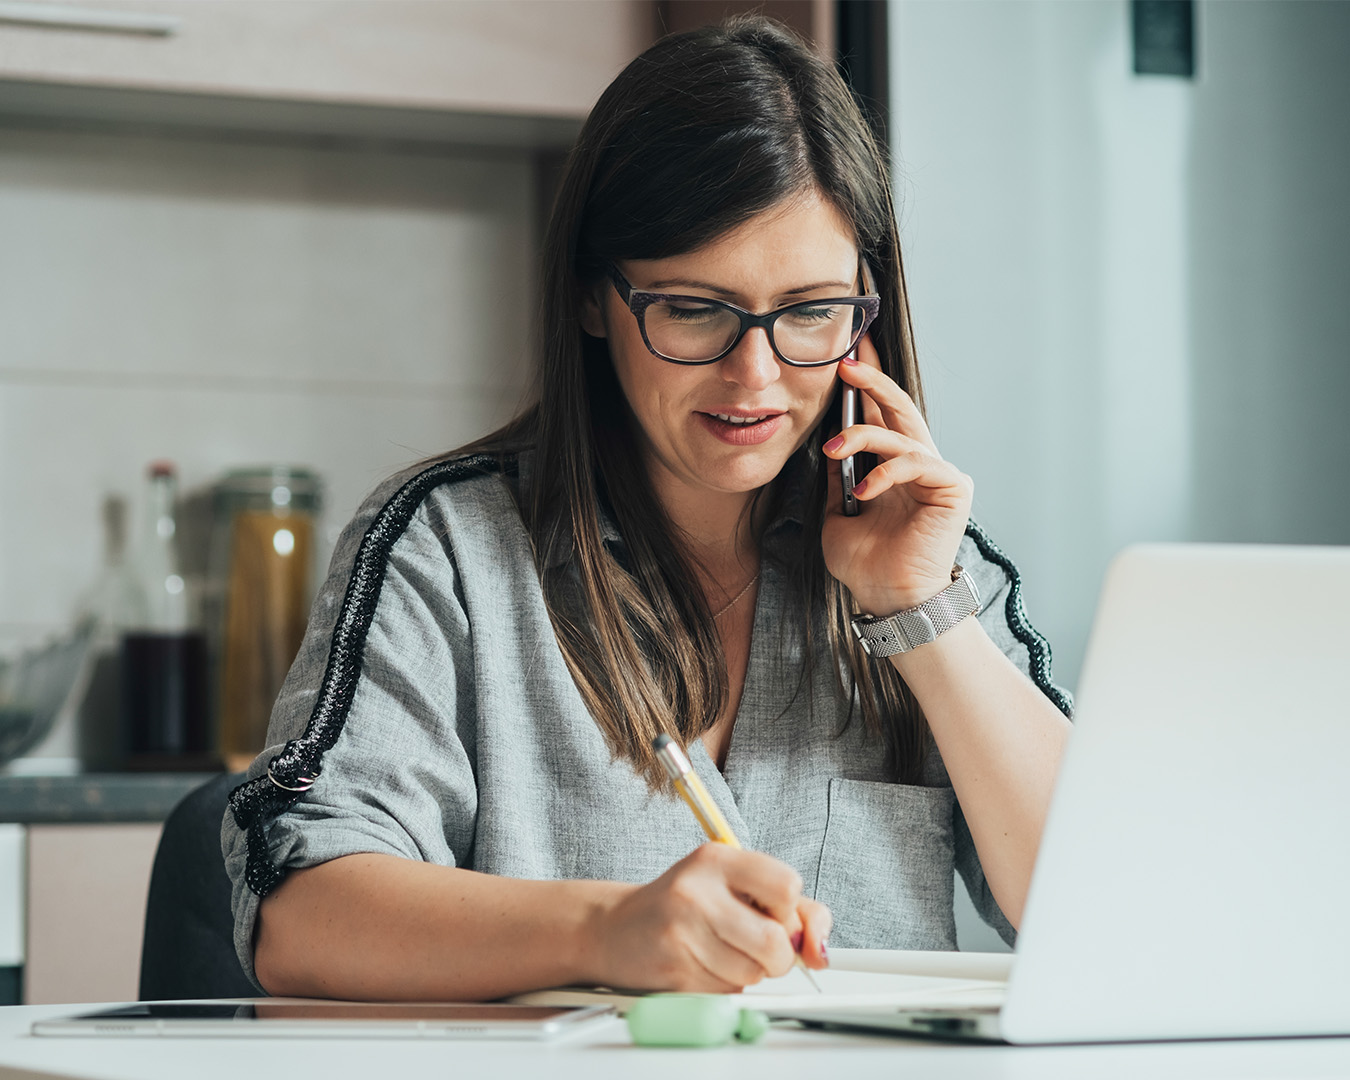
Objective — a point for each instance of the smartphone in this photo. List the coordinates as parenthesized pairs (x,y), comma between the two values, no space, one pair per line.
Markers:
(847,467)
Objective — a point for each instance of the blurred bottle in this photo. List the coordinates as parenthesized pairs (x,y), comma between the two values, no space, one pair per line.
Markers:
(165,713)
(263,564)
(115,602)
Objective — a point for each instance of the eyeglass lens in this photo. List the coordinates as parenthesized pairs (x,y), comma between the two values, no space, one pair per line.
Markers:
(807,334)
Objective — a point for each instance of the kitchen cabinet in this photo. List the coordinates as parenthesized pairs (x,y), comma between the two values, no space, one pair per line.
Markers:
(86,893)
(477,71)
(75,860)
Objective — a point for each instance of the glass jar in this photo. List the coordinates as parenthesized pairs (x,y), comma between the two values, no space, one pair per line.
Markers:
(263,546)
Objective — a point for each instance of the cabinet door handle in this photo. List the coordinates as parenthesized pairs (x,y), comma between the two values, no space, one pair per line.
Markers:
(71,17)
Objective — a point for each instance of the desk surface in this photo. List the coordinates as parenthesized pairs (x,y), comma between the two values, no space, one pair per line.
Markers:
(784,1054)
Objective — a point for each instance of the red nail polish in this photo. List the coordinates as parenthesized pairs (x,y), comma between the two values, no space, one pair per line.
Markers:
(825,950)
(850,359)
(797,942)
(859,487)
(835,443)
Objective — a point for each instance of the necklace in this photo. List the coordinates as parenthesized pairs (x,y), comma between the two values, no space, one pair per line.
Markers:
(737,597)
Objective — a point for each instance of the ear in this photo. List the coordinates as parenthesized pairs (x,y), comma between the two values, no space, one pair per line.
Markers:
(592,318)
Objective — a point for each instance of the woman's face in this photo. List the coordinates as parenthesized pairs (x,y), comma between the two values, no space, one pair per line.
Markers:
(801,250)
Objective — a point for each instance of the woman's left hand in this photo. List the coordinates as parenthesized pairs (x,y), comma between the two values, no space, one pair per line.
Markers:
(899,549)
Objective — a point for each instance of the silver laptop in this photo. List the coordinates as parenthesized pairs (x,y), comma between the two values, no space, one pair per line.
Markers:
(1194,873)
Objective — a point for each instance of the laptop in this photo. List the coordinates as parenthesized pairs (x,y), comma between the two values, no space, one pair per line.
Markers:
(1193,876)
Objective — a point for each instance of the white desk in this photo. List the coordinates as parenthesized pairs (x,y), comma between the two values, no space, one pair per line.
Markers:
(783,1055)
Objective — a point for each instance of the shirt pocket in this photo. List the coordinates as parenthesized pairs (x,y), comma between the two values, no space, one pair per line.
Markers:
(886,867)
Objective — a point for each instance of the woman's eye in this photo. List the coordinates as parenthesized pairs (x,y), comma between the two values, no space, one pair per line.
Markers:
(684,311)
(810,316)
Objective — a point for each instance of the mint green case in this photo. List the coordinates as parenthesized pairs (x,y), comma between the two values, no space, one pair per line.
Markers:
(693,1020)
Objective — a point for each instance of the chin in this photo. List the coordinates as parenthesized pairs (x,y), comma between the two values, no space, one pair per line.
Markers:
(742,477)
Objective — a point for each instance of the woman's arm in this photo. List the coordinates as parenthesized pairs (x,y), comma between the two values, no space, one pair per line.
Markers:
(378,927)
(1000,737)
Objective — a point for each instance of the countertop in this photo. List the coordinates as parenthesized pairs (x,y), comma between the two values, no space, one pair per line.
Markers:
(94,797)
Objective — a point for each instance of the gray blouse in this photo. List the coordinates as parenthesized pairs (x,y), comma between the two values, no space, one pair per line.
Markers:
(430,715)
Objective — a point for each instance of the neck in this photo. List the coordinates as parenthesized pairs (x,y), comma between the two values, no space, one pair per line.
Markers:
(719,529)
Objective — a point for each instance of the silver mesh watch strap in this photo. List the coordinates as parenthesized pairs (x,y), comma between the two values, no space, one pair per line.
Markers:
(886,635)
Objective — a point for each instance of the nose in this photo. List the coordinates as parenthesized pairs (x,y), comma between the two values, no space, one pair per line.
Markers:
(752,363)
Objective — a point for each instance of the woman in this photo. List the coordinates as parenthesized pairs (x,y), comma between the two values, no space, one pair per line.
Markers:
(462,801)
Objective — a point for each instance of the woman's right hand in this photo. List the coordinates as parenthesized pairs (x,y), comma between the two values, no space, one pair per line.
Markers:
(718,920)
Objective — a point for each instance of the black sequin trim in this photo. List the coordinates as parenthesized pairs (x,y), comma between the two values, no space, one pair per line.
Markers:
(1037,647)
(292,772)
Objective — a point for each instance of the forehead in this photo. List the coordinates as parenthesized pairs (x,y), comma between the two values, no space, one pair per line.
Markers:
(803,240)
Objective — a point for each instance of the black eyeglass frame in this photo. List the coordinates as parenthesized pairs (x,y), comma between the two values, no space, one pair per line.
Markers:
(639,301)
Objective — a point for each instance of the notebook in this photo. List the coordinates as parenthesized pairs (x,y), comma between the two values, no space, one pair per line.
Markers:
(857,978)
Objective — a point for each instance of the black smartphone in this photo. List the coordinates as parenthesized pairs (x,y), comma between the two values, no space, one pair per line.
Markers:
(847,467)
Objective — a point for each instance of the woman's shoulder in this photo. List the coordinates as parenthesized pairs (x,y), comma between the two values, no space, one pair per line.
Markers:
(460,506)
(445,490)
(459,484)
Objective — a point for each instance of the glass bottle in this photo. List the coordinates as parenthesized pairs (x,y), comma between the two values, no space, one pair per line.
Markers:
(115,603)
(163,655)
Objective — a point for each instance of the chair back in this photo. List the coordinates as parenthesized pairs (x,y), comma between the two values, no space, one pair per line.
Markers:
(188,950)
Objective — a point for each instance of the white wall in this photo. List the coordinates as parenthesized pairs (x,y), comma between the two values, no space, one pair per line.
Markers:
(1129,291)
(1269,232)
(226,304)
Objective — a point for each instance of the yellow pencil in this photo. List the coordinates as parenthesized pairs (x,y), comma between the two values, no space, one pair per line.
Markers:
(696,797)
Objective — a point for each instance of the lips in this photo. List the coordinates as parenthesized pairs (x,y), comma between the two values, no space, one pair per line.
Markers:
(742,427)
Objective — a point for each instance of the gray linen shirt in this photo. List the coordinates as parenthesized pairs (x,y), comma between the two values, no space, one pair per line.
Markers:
(468,744)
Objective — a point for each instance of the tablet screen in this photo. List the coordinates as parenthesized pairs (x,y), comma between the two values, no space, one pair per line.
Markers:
(309,1018)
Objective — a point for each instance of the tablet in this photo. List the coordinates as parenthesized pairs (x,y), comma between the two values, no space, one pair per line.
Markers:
(330,1019)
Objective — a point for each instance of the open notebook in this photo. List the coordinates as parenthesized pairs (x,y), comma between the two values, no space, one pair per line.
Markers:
(856,978)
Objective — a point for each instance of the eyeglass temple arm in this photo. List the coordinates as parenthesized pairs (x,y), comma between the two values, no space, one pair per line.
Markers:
(869,282)
(621,283)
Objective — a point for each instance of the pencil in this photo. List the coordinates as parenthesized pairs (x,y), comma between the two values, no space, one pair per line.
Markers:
(690,788)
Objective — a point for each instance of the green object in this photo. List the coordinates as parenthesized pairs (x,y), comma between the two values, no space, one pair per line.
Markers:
(693,1020)
(753,1025)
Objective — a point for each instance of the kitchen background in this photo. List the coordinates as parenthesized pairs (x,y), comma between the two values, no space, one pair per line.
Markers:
(305,234)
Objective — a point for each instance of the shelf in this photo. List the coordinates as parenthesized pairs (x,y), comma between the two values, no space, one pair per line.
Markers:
(65,105)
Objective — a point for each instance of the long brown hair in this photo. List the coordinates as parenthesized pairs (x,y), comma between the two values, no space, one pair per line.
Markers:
(700,133)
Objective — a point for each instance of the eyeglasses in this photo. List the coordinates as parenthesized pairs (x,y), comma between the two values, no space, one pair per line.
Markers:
(697,330)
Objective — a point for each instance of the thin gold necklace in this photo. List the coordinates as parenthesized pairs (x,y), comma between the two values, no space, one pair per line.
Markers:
(737,597)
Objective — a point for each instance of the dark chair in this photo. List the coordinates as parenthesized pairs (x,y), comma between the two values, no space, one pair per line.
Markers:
(189,930)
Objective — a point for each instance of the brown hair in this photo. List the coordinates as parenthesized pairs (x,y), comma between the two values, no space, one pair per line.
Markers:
(700,133)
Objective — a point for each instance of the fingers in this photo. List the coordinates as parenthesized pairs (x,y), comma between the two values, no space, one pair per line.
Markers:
(771,886)
(816,923)
(903,461)
(718,920)
(884,402)
(867,354)
(755,946)
(751,913)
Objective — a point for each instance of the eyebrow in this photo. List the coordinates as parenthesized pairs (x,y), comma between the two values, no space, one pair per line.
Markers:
(690,283)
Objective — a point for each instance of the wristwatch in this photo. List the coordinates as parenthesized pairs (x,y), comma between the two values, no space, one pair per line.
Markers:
(886,635)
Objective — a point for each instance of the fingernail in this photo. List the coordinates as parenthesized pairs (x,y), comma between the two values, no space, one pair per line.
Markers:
(825,950)
(850,359)
(796,940)
(834,444)
(859,487)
